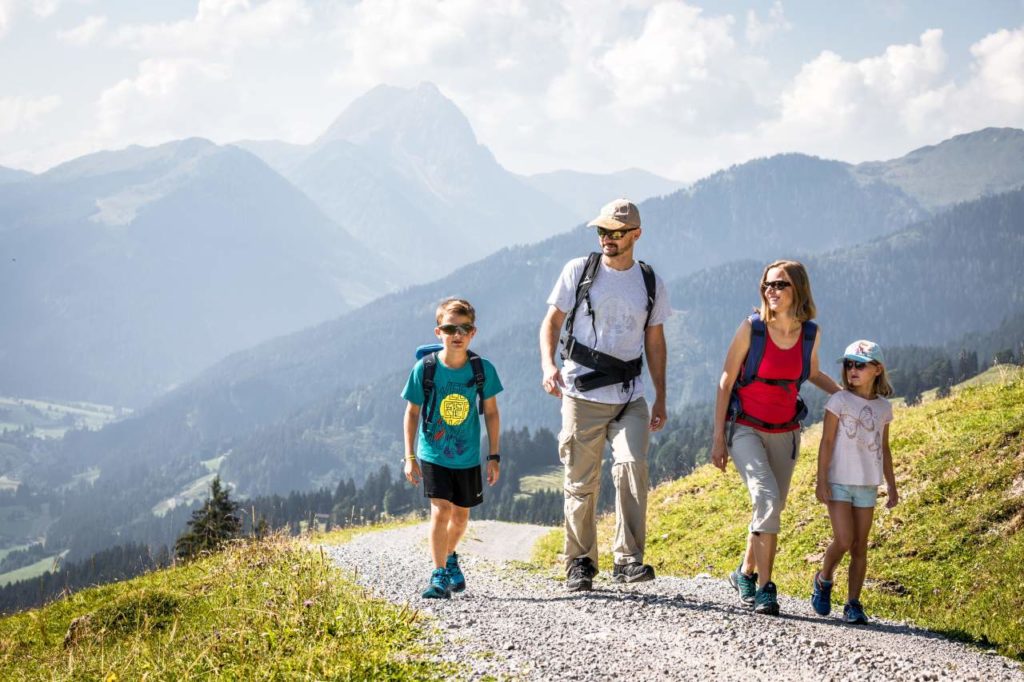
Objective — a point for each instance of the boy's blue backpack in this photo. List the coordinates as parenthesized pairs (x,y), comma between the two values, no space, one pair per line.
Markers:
(428,353)
(748,374)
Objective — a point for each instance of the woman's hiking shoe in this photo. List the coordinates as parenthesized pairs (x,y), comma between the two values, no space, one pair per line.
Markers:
(766,600)
(745,585)
(440,586)
(853,613)
(580,575)
(455,577)
(821,595)
(633,572)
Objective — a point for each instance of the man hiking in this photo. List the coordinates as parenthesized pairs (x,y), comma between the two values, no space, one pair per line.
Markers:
(613,308)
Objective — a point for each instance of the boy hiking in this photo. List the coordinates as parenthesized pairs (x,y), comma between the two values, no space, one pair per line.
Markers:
(446,392)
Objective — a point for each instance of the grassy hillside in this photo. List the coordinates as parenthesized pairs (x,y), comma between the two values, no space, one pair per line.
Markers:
(270,610)
(948,557)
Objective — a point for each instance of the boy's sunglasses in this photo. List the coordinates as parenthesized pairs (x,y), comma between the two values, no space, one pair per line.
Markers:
(855,364)
(776,284)
(452,329)
(614,234)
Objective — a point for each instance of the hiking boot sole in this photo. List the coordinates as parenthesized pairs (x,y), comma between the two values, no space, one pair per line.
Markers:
(645,578)
(749,601)
(459,588)
(767,609)
(582,586)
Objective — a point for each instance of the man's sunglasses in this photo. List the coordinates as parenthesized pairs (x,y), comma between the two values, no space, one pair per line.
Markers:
(614,234)
(452,329)
(776,284)
(856,364)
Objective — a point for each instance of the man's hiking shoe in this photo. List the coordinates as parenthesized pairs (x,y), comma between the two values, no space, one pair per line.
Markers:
(633,572)
(440,586)
(853,613)
(745,585)
(455,577)
(580,576)
(821,595)
(766,600)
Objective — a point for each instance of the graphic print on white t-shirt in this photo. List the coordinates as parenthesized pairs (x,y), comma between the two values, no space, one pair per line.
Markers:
(857,453)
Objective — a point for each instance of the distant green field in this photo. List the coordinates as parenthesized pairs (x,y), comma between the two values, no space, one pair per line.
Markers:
(551,479)
(53,419)
(30,571)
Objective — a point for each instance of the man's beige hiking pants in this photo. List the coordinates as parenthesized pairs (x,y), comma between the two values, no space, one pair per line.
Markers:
(586,427)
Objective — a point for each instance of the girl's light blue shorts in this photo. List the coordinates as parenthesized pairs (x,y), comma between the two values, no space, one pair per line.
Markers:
(857,495)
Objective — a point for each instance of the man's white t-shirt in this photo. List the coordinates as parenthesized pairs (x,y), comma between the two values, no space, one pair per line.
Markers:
(617,327)
(857,456)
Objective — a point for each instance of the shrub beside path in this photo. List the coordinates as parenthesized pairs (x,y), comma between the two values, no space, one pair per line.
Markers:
(513,622)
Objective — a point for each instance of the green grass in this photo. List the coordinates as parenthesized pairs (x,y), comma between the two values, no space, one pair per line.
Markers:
(272,610)
(551,479)
(948,557)
(51,419)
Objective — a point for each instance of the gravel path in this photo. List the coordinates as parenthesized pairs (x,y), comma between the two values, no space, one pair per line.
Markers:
(512,623)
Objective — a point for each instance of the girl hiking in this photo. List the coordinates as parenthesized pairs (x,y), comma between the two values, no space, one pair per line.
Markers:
(853,459)
(758,413)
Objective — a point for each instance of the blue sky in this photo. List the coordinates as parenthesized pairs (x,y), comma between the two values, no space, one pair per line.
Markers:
(679,88)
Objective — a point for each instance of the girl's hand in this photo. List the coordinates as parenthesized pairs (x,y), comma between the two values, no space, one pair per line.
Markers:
(822,491)
(892,497)
(719,455)
(412,471)
(493,472)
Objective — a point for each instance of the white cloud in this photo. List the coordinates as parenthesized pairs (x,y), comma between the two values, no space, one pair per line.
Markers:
(83,34)
(21,114)
(759,32)
(999,66)
(218,25)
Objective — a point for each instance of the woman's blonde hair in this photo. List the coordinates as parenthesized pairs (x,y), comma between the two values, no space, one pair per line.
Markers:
(803,301)
(882,386)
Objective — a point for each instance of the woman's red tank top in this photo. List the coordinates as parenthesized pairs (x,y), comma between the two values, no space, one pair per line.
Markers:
(773,404)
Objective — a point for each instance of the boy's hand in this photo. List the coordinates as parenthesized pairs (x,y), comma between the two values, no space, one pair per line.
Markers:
(493,472)
(412,471)
(892,497)
(822,491)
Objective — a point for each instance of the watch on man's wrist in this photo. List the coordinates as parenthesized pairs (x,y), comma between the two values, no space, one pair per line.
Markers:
(494,458)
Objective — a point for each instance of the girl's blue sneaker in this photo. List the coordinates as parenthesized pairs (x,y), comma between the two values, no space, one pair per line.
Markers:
(439,587)
(457,580)
(853,613)
(821,595)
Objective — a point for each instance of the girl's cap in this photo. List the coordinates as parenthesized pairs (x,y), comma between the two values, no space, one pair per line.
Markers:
(864,351)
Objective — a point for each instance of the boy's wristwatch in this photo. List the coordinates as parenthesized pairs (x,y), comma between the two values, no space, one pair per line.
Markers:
(495,457)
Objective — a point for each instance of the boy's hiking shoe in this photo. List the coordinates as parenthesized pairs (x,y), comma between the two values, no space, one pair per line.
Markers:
(633,572)
(440,586)
(766,601)
(821,595)
(455,577)
(745,585)
(580,576)
(853,613)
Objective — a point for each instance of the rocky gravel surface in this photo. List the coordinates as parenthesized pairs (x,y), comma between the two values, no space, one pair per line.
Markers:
(513,623)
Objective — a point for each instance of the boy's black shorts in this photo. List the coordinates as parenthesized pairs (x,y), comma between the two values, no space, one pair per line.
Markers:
(461,487)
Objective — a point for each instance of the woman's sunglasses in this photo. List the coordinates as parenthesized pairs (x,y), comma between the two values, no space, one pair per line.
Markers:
(776,284)
(452,329)
(614,234)
(856,364)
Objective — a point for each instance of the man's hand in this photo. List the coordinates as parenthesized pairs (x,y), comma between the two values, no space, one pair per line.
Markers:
(659,417)
(493,472)
(412,471)
(553,382)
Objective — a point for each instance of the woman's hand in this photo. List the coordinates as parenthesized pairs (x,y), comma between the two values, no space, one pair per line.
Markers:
(719,455)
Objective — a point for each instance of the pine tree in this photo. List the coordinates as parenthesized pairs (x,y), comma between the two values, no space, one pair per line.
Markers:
(212,525)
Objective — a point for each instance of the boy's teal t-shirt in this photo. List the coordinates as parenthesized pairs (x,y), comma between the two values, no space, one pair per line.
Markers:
(454,440)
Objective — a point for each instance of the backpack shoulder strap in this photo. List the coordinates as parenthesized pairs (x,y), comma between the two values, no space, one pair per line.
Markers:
(810,333)
(651,284)
(429,370)
(477,364)
(583,290)
(758,335)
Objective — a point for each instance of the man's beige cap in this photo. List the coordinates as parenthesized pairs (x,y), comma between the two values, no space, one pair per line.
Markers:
(621,213)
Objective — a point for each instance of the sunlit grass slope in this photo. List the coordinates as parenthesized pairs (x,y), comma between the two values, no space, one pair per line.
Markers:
(948,557)
(272,610)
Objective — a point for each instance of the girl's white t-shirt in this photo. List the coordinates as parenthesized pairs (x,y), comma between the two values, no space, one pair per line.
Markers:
(857,457)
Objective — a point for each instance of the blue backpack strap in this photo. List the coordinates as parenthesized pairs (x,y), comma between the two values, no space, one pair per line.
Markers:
(810,333)
(652,287)
(429,369)
(758,340)
(477,364)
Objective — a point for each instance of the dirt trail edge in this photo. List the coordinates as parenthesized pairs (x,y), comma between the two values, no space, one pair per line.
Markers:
(513,623)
